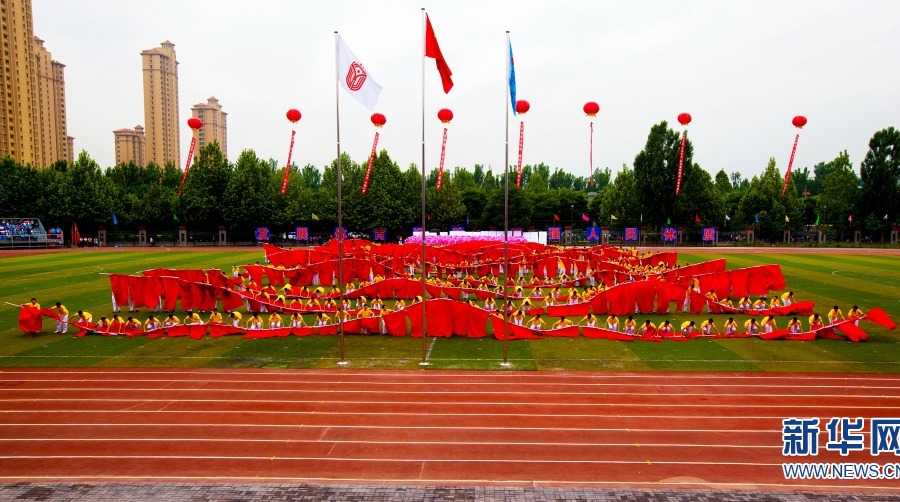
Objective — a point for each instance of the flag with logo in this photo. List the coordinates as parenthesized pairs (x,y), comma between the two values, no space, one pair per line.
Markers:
(354,77)
(433,50)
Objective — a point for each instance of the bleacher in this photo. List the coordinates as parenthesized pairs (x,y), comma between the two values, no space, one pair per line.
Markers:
(27,233)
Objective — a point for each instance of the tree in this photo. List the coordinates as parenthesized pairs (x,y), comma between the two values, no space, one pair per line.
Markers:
(601,179)
(207,181)
(445,206)
(839,193)
(880,173)
(723,182)
(763,206)
(250,198)
(619,199)
(656,171)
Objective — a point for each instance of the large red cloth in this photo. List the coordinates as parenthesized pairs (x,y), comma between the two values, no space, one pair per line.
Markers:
(567,332)
(853,332)
(119,285)
(216,330)
(395,323)
(880,318)
(514,332)
(606,333)
(30,320)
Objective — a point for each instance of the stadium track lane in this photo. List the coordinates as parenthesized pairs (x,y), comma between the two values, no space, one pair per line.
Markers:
(713,430)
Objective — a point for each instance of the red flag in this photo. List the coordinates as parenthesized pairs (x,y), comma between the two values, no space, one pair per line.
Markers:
(30,320)
(697,218)
(76,237)
(555,217)
(433,50)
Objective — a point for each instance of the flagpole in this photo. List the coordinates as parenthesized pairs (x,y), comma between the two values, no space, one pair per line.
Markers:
(424,361)
(340,229)
(506,106)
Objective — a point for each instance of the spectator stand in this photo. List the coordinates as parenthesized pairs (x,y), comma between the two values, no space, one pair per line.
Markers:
(19,233)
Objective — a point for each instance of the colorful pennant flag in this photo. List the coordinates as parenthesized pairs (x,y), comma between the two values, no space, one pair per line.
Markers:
(585,217)
(354,78)
(786,219)
(555,217)
(511,76)
(315,217)
(613,217)
(818,219)
(433,50)
(697,218)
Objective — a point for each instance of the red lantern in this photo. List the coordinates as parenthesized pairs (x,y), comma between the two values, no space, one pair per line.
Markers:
(195,123)
(293,115)
(378,119)
(799,121)
(445,115)
(591,109)
(684,118)
(522,106)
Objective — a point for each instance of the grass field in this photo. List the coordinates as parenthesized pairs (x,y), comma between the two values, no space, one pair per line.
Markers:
(75,279)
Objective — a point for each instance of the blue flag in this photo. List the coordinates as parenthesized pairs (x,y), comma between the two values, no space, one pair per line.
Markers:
(511,74)
(756,218)
(115,220)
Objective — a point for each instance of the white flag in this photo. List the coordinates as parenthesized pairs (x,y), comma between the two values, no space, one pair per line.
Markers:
(354,78)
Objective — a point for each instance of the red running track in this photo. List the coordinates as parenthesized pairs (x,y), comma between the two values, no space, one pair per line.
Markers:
(714,430)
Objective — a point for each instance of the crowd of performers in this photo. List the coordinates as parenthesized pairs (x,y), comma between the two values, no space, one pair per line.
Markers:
(591,293)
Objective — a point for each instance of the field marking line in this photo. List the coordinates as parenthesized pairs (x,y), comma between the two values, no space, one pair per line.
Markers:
(430,348)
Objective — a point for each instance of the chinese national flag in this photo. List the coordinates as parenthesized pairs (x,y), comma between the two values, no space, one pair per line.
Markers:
(433,50)
(555,217)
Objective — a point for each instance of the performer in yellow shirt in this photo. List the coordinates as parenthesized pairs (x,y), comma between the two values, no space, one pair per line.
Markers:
(297,320)
(855,313)
(751,327)
(815,322)
(322,319)
(795,326)
(688,329)
(590,321)
(235,317)
(711,298)
(727,302)
(536,323)
(83,317)
(707,327)
(62,325)
(192,318)
(760,304)
(731,326)
(612,322)
(834,314)
(775,302)
(768,323)
(151,323)
(518,318)
(254,322)
(214,317)
(666,329)
(274,320)
(647,327)
(630,326)
(171,320)
(562,323)
(787,298)
(33,303)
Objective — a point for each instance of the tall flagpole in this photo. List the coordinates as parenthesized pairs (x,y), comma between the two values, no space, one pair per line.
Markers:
(506,106)
(424,361)
(340,229)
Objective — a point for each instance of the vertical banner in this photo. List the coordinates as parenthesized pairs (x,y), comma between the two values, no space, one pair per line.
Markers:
(670,234)
(379,234)
(342,235)
(592,234)
(301,233)
(631,234)
(457,228)
(709,234)
(554,234)
(416,230)
(262,234)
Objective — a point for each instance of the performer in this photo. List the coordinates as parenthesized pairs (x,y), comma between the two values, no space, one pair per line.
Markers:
(853,313)
(235,317)
(727,303)
(731,327)
(562,323)
(400,305)
(116,325)
(62,324)
(297,320)
(536,323)
(102,326)
(274,320)
(688,329)
(322,319)
(170,321)
(686,306)
(745,304)
(794,326)
(711,298)
(707,327)
(775,302)
(834,314)
(665,329)
(132,325)
(83,317)
(33,303)
(647,327)
(630,326)
(760,304)
(255,322)
(815,322)
(589,321)
(518,318)
(787,298)
(151,323)
(768,323)
(192,318)
(214,317)
(751,327)
(612,322)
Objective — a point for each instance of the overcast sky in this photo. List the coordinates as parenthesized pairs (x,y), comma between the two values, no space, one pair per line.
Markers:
(742,69)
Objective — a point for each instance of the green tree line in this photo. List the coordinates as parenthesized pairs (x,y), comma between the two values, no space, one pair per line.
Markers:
(244,194)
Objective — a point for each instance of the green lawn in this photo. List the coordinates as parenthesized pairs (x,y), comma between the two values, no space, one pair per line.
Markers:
(75,279)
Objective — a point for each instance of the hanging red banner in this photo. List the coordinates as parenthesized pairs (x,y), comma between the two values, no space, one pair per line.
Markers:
(787,174)
(365,185)
(680,162)
(187,166)
(441,166)
(591,155)
(521,144)
(287,169)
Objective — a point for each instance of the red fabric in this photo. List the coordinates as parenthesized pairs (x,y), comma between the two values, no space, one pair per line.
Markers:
(607,334)
(439,316)
(740,283)
(853,332)
(196,331)
(433,50)
(305,331)
(30,320)
(576,309)
(267,333)
(414,312)
(119,285)
(230,300)
(698,303)
(331,329)
(217,330)
(171,291)
(880,318)
(395,323)
(514,332)
(567,332)
(778,334)
(476,321)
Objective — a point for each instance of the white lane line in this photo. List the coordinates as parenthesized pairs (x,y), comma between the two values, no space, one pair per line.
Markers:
(396,427)
(376,459)
(376,391)
(354,442)
(542,483)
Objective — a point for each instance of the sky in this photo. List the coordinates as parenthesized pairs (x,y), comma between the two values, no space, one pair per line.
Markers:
(743,70)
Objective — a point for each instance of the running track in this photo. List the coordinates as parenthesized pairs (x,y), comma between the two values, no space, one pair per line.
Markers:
(714,430)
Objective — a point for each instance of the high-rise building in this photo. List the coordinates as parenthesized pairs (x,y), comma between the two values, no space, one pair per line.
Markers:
(214,124)
(130,146)
(50,111)
(161,104)
(33,102)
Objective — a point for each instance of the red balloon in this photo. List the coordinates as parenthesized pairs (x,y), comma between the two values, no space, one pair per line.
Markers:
(445,115)
(591,109)
(522,106)
(684,118)
(293,115)
(378,119)
(195,123)
(799,121)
